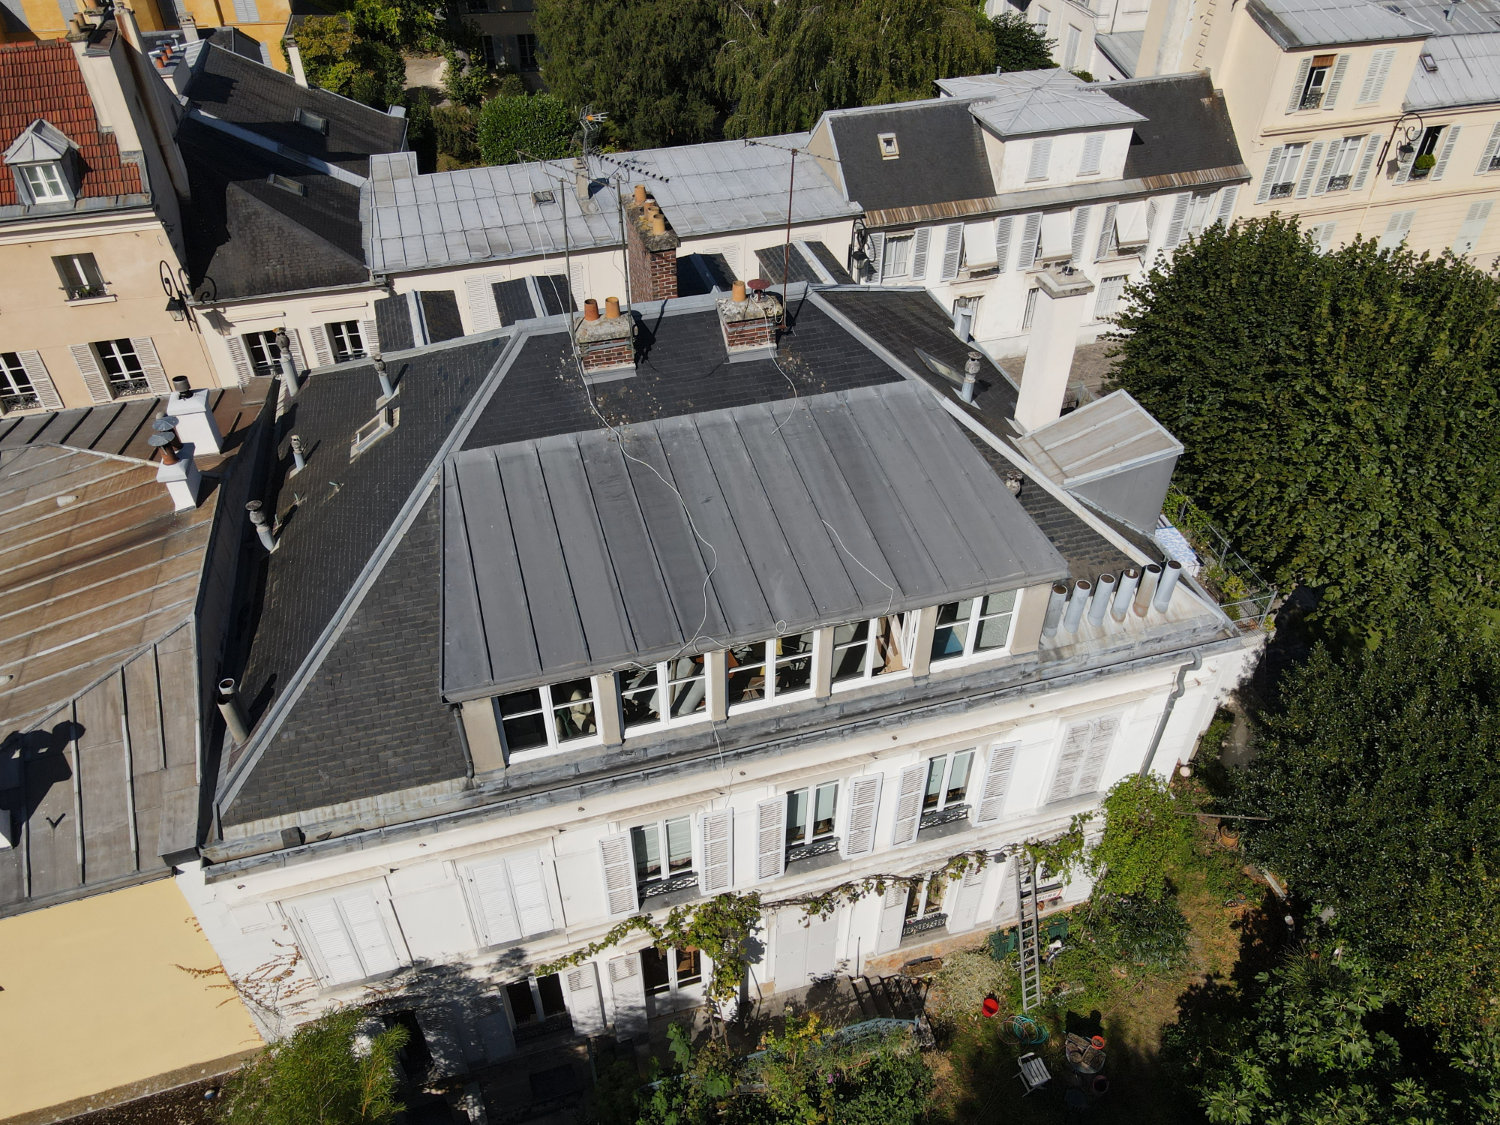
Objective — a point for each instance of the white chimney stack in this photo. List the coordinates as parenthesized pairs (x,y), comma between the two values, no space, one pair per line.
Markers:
(1060,308)
(177,470)
(196,423)
(294,60)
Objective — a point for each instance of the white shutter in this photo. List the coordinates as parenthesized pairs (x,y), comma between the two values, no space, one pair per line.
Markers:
(911,628)
(1272,163)
(619,873)
(530,889)
(864,808)
(1177,222)
(1003,227)
(321,927)
(1322,234)
(991,805)
(1334,83)
(246,11)
(770,838)
(1226,204)
(1445,152)
(1093,149)
(584,1006)
(1108,298)
(490,900)
(1473,227)
(298,360)
(239,355)
(919,253)
(1108,241)
(1489,151)
(1296,99)
(1396,230)
(1029,235)
(1101,740)
(964,896)
(321,351)
(876,250)
(367,932)
(1326,174)
(716,831)
(1403,174)
(1374,83)
(371,336)
(1075,744)
(145,351)
(1080,232)
(93,378)
(953,245)
(484,313)
(1309,168)
(628,991)
(909,805)
(1041,156)
(892,919)
(1372,148)
(41,382)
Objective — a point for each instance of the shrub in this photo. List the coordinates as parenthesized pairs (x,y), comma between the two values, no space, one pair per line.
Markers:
(512,129)
(1138,930)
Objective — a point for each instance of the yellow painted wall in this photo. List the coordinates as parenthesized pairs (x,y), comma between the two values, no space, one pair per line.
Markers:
(269,29)
(93,997)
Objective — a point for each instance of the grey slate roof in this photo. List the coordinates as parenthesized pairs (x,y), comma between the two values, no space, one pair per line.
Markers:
(570,555)
(1468,72)
(810,262)
(1029,102)
(942,153)
(1184,126)
(1294,24)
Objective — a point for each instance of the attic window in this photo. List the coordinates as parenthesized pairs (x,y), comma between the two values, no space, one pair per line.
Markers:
(286,183)
(376,428)
(889,150)
(540,197)
(45,183)
(41,160)
(1429,64)
(314,121)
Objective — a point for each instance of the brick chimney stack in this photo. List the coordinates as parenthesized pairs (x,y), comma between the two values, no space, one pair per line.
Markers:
(650,249)
(605,343)
(751,321)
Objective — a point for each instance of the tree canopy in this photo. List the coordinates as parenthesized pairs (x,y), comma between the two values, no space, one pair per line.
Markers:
(1379,773)
(1020,45)
(1338,412)
(537,125)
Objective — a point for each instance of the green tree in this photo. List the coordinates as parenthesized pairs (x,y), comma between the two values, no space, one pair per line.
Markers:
(1020,45)
(338,58)
(408,25)
(535,127)
(323,1074)
(1338,413)
(1147,839)
(1379,773)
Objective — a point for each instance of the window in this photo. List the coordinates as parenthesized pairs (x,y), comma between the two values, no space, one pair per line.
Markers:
(1028,313)
(1345,153)
(789,660)
(924,905)
(45,183)
(345,936)
(889,150)
(1070,52)
(1317,82)
(525,52)
(897,256)
(346,340)
(507,898)
(265,356)
(810,819)
(16,391)
(310,120)
(537,1007)
(80,278)
(479,6)
(492,53)
(548,716)
(1093,152)
(1041,157)
(663,852)
(947,783)
(1080,766)
(973,626)
(1199,213)
(1108,300)
(122,369)
(1427,147)
(669,972)
(246,11)
(663,693)
(1043,17)
(1281,174)
(863,650)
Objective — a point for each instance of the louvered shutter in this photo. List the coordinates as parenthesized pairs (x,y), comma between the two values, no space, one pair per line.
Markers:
(1030,232)
(911,628)
(996,785)
(1335,82)
(1372,148)
(36,371)
(716,830)
(367,931)
(1227,198)
(619,873)
(1374,84)
(864,808)
(953,247)
(1310,161)
(298,359)
(1446,152)
(1268,178)
(1108,242)
(1490,147)
(892,919)
(371,336)
(1396,230)
(490,900)
(246,11)
(145,351)
(1177,222)
(1041,156)
(1003,226)
(1297,87)
(919,254)
(582,983)
(1080,232)
(322,928)
(239,355)
(530,890)
(628,991)
(909,805)
(1101,740)
(1093,149)
(484,313)
(964,896)
(321,351)
(1326,173)
(1075,745)
(770,838)
(1473,227)
(1404,174)
(876,250)
(93,377)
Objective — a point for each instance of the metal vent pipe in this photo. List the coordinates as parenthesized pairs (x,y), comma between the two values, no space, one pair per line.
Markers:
(1076,602)
(1165,585)
(1123,593)
(1057,601)
(234,715)
(1144,591)
(1102,594)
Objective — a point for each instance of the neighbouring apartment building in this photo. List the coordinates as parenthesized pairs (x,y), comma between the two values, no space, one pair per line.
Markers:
(1040,170)
(594,615)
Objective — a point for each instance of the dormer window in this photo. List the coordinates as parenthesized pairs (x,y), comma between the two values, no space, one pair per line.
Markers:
(41,159)
(889,150)
(45,183)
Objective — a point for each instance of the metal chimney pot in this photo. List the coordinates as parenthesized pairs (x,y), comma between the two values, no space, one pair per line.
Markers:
(971,378)
(1165,585)
(234,715)
(299,459)
(288,362)
(262,529)
(1124,592)
(1076,603)
(1146,589)
(386,390)
(1057,601)
(1102,593)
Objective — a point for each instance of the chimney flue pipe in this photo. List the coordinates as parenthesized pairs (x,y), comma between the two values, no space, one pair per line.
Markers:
(1124,592)
(1165,585)
(288,363)
(1147,587)
(386,390)
(262,529)
(971,378)
(1076,603)
(1057,601)
(299,458)
(1102,593)
(234,715)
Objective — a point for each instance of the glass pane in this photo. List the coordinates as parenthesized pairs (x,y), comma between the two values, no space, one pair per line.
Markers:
(680,843)
(952,629)
(747,673)
(888,646)
(654,969)
(689,694)
(525,732)
(522,1006)
(935,888)
(850,647)
(999,603)
(914,901)
(823,809)
(794,663)
(958,777)
(639,697)
(993,632)
(851,633)
(689,966)
(573,709)
(934,790)
(519,702)
(796,816)
(550,987)
(646,844)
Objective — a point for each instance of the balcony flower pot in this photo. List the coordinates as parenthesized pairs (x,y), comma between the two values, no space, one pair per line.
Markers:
(1422,166)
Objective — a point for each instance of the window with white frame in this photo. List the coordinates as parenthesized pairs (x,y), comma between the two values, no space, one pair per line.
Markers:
(1199,214)
(122,369)
(1316,82)
(1041,17)
(346,340)
(547,717)
(664,693)
(924,905)
(1108,300)
(1341,163)
(526,52)
(811,819)
(80,276)
(265,355)
(974,626)
(1070,49)
(665,973)
(16,390)
(947,781)
(344,936)
(765,671)
(863,650)
(46,183)
(1282,172)
(537,1007)
(663,853)
(1041,159)
(897,257)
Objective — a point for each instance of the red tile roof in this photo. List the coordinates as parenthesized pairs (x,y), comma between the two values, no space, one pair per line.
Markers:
(43,80)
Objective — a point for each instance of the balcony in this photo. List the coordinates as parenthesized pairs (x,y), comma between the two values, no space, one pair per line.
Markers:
(85,292)
(1282,191)
(559,1024)
(682,887)
(1311,99)
(923,925)
(26,400)
(1338,183)
(126,388)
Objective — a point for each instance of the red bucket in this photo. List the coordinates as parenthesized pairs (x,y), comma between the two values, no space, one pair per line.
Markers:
(990,1007)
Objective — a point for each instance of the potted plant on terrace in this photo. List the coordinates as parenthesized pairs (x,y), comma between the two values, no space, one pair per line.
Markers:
(1422,165)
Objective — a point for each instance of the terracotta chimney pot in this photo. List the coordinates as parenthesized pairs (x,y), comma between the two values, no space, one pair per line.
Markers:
(611,308)
(658,223)
(591,309)
(640,193)
(739,290)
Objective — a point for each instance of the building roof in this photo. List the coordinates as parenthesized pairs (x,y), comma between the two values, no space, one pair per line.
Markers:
(1184,127)
(1294,24)
(837,507)
(1123,48)
(809,262)
(1099,439)
(934,135)
(1029,102)
(1453,17)
(43,81)
(517,210)
(244,92)
(1468,72)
